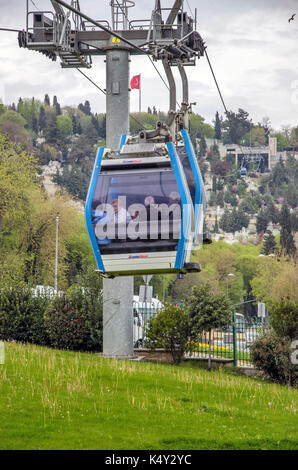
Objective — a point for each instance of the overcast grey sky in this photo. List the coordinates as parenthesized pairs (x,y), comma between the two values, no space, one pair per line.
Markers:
(253,49)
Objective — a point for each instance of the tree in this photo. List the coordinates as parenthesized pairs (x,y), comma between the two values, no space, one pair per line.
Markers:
(217,127)
(13,116)
(284,318)
(256,137)
(233,221)
(214,184)
(220,199)
(222,168)
(286,238)
(2,108)
(17,181)
(16,133)
(262,221)
(237,125)
(42,118)
(216,227)
(229,198)
(203,147)
(275,278)
(64,124)
(170,330)
(282,142)
(47,100)
(269,246)
(208,311)
(51,128)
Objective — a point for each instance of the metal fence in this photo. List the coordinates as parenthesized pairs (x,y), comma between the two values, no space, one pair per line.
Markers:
(229,345)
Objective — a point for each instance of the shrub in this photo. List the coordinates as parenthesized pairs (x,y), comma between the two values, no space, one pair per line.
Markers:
(21,316)
(271,354)
(284,318)
(65,325)
(169,330)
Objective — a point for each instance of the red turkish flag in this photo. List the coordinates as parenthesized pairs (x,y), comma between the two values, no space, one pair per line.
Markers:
(135,82)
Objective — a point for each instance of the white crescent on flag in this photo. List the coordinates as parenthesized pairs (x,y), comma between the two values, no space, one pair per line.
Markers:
(135,82)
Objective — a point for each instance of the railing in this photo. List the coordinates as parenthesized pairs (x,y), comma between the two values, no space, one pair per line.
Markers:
(229,345)
(30,30)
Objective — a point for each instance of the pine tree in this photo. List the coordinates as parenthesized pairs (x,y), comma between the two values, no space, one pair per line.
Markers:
(220,199)
(58,109)
(262,221)
(74,124)
(216,227)
(203,147)
(217,127)
(269,246)
(87,108)
(286,237)
(95,123)
(47,100)
(214,183)
(20,104)
(42,118)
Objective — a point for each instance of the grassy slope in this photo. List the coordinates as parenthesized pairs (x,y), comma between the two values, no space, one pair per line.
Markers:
(63,400)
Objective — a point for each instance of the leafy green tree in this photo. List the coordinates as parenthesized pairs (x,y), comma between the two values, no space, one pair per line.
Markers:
(256,137)
(13,116)
(284,318)
(198,128)
(64,124)
(282,141)
(169,330)
(208,311)
(17,181)
(275,278)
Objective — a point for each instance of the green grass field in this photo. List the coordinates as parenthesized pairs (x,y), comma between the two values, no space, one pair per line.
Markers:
(64,400)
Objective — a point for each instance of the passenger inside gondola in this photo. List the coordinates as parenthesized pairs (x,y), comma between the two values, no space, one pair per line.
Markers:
(132,220)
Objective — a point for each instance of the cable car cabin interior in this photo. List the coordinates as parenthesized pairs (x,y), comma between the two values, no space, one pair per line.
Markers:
(139,211)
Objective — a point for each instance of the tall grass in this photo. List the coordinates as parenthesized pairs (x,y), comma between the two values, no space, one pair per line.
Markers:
(65,400)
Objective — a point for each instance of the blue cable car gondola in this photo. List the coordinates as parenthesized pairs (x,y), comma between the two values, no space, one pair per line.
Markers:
(139,211)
